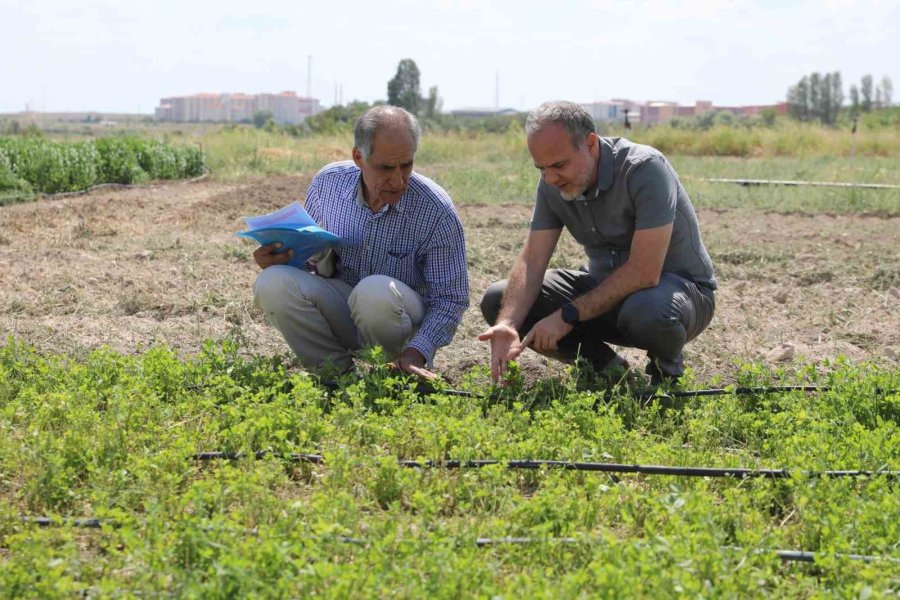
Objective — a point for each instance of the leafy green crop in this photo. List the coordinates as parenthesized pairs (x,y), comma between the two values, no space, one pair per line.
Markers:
(112,436)
(40,165)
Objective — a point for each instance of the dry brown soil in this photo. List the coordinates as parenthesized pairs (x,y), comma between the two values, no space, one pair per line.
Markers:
(136,267)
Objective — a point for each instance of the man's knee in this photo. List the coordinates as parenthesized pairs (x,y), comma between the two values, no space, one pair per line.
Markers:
(491,301)
(646,314)
(376,298)
(275,285)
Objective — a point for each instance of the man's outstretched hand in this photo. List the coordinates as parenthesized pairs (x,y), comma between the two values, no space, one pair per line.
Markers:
(411,361)
(504,347)
(545,334)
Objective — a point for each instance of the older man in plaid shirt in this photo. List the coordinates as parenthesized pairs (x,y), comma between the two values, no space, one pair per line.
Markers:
(400,282)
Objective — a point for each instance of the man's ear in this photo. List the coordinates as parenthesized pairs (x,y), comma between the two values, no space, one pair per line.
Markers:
(357,157)
(593,143)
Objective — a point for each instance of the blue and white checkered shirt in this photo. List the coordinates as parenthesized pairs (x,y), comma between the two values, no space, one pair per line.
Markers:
(419,241)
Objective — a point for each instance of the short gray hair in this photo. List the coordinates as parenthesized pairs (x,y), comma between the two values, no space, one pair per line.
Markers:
(572,117)
(379,116)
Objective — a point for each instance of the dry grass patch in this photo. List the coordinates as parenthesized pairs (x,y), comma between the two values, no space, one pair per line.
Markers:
(134,267)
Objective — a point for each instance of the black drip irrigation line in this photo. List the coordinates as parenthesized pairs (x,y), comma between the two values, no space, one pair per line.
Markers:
(291,457)
(735,472)
(838,184)
(738,473)
(739,391)
(85,523)
(484,542)
(425,388)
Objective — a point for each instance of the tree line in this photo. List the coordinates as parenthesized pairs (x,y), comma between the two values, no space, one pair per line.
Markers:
(818,97)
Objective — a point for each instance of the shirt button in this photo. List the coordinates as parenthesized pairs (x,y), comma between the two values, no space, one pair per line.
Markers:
(593,229)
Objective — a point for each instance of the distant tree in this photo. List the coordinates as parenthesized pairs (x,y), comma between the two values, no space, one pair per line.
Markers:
(826,108)
(724,118)
(837,96)
(798,100)
(877,103)
(432,103)
(866,90)
(887,90)
(337,118)
(261,117)
(816,97)
(403,89)
(14,128)
(815,89)
(768,116)
(854,99)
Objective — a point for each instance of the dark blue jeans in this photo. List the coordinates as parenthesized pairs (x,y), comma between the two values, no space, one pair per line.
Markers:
(660,320)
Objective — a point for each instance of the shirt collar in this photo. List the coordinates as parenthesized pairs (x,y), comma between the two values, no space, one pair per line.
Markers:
(360,199)
(607,165)
(605,171)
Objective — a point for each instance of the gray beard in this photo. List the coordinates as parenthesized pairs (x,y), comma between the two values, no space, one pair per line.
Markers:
(570,197)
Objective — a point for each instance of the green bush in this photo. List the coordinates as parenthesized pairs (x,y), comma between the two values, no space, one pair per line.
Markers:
(9,182)
(40,165)
(119,162)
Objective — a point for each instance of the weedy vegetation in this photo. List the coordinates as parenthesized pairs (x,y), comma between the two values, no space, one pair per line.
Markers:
(113,437)
(495,167)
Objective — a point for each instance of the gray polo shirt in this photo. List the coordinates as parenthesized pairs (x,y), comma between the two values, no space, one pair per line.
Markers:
(637,188)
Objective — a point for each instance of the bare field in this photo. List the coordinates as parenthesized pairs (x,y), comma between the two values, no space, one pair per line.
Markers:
(161,264)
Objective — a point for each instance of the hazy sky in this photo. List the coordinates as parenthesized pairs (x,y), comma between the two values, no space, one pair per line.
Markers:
(122,56)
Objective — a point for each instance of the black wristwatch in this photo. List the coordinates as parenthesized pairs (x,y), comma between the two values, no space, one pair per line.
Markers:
(570,314)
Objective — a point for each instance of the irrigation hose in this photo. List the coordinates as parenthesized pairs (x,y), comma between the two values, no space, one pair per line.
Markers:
(485,542)
(837,184)
(425,388)
(736,472)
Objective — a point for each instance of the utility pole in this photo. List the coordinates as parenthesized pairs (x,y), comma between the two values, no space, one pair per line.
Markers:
(497,90)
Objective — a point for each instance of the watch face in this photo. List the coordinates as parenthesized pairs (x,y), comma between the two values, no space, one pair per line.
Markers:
(570,314)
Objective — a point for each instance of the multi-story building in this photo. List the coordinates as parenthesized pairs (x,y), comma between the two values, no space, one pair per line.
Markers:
(658,111)
(287,108)
(602,110)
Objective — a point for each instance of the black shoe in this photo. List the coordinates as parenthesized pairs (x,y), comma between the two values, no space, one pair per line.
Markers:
(614,369)
(596,374)
(660,379)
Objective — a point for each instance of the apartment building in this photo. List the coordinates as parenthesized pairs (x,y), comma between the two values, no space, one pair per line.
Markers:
(654,112)
(287,108)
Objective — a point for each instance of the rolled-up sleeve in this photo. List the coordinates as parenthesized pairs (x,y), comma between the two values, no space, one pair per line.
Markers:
(446,295)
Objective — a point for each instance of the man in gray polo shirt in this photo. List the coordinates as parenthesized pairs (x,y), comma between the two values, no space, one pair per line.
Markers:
(649,281)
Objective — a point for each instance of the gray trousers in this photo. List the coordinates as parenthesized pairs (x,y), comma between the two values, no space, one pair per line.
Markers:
(324,320)
(660,320)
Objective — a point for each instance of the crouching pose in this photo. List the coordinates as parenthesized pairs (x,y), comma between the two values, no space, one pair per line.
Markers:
(400,282)
(649,280)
